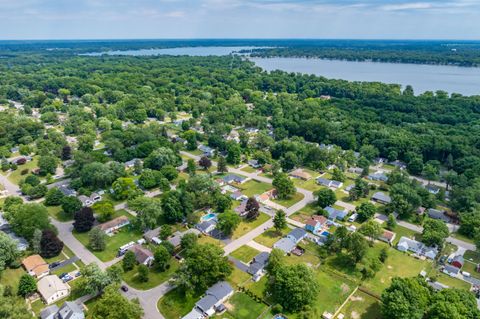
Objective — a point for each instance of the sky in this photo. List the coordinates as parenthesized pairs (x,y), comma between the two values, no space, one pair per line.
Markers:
(159,19)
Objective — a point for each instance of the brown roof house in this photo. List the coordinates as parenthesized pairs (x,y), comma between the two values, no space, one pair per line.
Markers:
(36,266)
(300,174)
(114,224)
(142,255)
(387,237)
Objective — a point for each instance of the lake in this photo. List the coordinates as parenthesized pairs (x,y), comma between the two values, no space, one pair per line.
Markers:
(192,51)
(422,78)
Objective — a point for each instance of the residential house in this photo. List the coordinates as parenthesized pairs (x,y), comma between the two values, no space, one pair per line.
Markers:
(328,183)
(254,163)
(379,160)
(297,235)
(231,178)
(67,191)
(432,189)
(285,244)
(387,236)
(378,176)
(214,298)
(328,147)
(406,244)
(51,289)
(242,208)
(88,201)
(70,310)
(300,174)
(142,255)
(438,214)
(315,223)
(268,195)
(349,188)
(152,236)
(207,226)
(458,261)
(420,210)
(398,164)
(353,217)
(257,266)
(49,312)
(207,151)
(131,164)
(252,130)
(334,213)
(381,198)
(237,195)
(176,238)
(114,224)
(450,270)
(36,266)
(355,170)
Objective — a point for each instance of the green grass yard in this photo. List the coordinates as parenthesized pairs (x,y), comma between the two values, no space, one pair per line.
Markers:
(249,169)
(292,200)
(254,187)
(271,236)
(114,242)
(245,253)
(362,306)
(472,256)
(11,277)
(246,226)
(16,176)
(155,277)
(57,213)
(174,304)
(242,306)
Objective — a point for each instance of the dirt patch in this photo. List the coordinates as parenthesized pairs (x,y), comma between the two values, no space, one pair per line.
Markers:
(389,267)
(228,305)
(345,288)
(356,298)
(355,315)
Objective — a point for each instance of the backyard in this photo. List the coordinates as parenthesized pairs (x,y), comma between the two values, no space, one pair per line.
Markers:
(155,277)
(292,200)
(271,236)
(242,306)
(362,306)
(245,253)
(247,225)
(254,187)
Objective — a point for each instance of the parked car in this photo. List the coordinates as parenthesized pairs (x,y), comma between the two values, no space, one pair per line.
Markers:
(124,288)
(78,274)
(54,264)
(62,275)
(67,278)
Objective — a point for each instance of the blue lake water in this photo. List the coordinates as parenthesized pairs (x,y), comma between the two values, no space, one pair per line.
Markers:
(422,78)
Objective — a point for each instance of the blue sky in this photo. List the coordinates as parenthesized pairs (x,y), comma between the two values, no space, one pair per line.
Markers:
(363,19)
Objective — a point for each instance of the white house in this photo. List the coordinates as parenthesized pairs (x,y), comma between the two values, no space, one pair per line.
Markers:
(51,289)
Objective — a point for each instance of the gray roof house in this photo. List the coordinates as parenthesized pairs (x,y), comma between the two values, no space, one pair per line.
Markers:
(176,238)
(258,264)
(214,297)
(230,178)
(334,213)
(407,244)
(297,235)
(206,226)
(67,191)
(328,183)
(450,270)
(382,198)
(285,244)
(70,310)
(437,214)
(378,176)
(207,151)
(49,312)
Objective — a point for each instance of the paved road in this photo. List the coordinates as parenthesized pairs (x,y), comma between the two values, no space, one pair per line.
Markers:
(13,189)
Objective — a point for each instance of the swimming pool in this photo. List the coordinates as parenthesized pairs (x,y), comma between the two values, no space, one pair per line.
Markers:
(208,217)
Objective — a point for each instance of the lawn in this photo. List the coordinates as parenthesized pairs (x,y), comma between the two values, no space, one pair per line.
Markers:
(292,200)
(254,187)
(401,231)
(305,213)
(398,264)
(16,176)
(242,306)
(245,253)
(258,288)
(123,237)
(270,237)
(11,277)
(471,268)
(249,169)
(210,240)
(238,278)
(57,213)
(246,226)
(155,277)
(175,304)
(362,306)
(473,256)
(37,306)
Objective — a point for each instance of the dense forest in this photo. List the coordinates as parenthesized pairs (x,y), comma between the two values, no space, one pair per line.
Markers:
(432,129)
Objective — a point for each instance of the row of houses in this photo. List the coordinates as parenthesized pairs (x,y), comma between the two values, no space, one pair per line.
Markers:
(406,244)
(288,243)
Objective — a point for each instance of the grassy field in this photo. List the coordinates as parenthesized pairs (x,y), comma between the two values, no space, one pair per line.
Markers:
(246,225)
(362,306)
(473,256)
(11,277)
(242,306)
(16,176)
(254,187)
(238,277)
(174,304)
(401,231)
(270,237)
(471,268)
(123,237)
(311,184)
(289,201)
(210,240)
(57,213)
(249,169)
(155,277)
(245,253)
